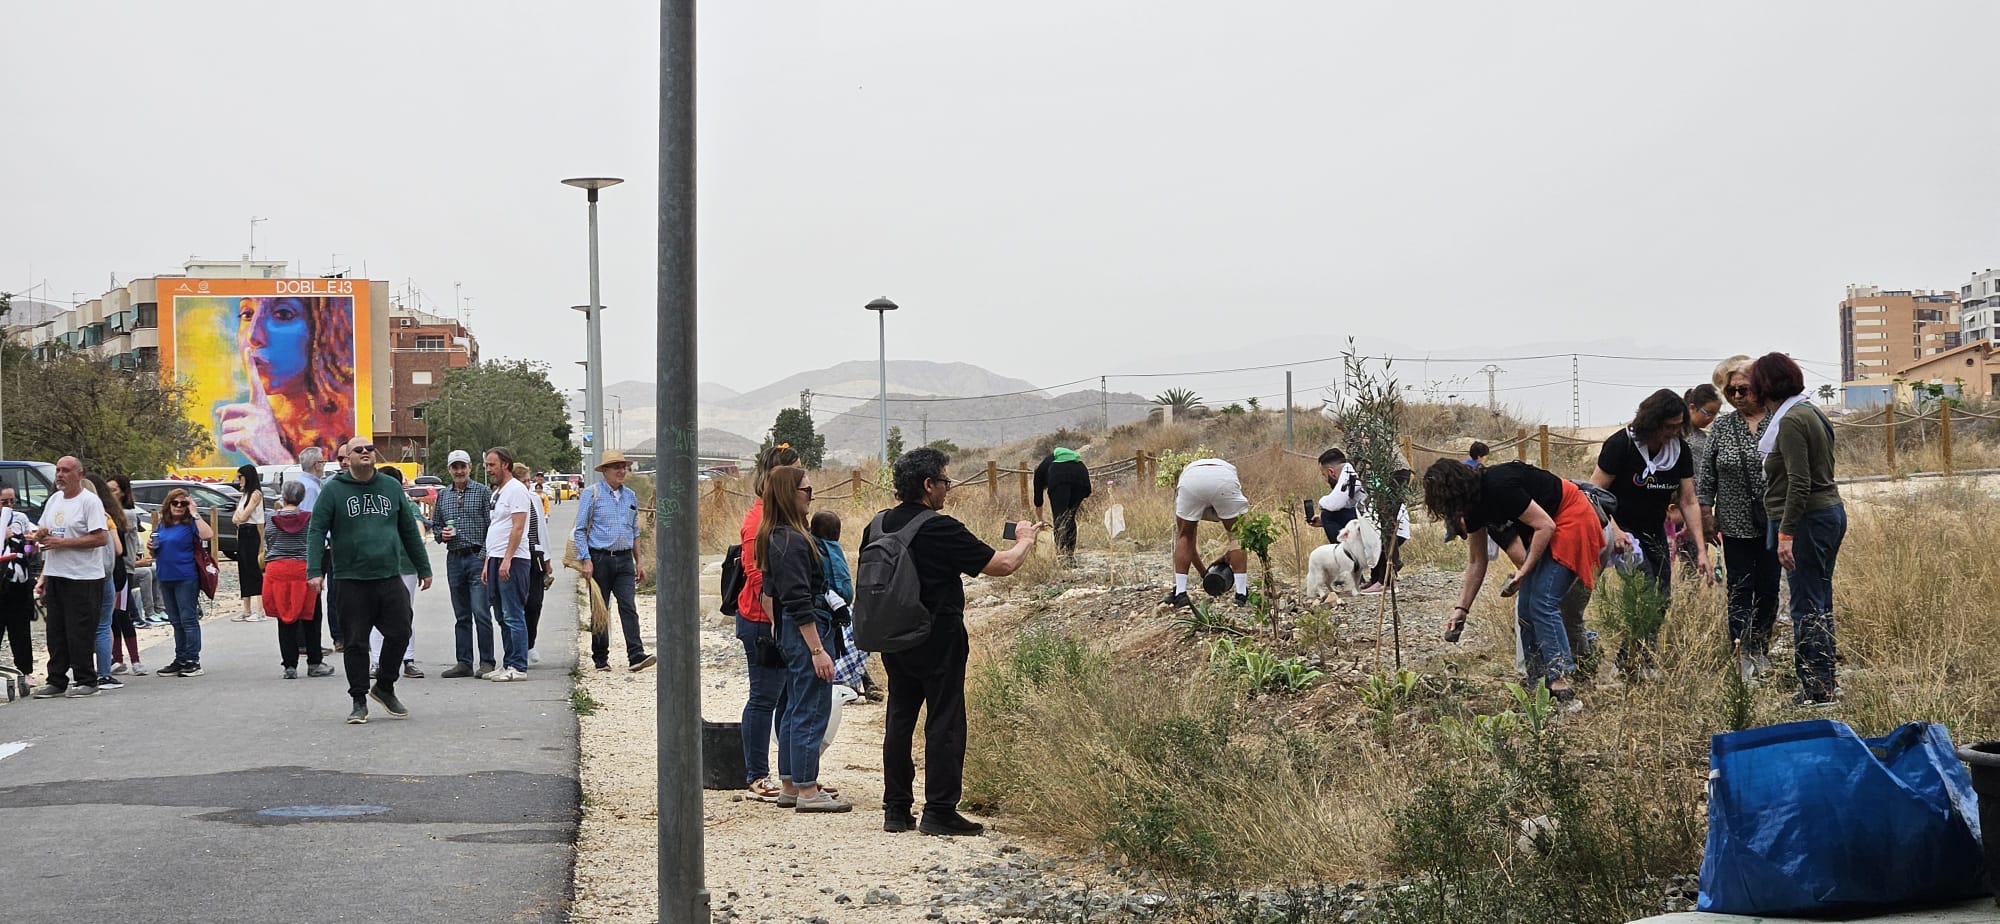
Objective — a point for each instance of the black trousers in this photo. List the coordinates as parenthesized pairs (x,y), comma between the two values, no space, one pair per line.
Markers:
(74,607)
(1063,507)
(1753,572)
(17,616)
(615,574)
(382,605)
(294,637)
(536,594)
(930,678)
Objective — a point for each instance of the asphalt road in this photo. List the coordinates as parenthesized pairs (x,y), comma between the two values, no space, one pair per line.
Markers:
(241,796)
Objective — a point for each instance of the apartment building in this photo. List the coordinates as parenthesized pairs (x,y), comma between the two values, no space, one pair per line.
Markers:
(423,347)
(1883,330)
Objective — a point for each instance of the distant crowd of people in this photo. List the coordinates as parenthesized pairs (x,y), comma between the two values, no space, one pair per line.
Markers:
(344,550)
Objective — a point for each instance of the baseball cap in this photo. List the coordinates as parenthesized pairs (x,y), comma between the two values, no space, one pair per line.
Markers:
(457,456)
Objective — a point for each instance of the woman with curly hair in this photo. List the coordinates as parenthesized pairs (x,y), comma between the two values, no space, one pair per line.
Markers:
(1559,526)
(298,354)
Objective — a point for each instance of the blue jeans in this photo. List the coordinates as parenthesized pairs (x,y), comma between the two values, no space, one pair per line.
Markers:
(1815,549)
(1538,609)
(808,705)
(184,614)
(511,602)
(468,606)
(767,698)
(104,629)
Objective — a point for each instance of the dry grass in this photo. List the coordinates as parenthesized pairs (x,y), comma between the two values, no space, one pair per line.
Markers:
(1163,765)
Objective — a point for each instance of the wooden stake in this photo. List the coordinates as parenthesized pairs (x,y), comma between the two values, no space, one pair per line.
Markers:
(1888,431)
(1944,431)
(1545,446)
(992,482)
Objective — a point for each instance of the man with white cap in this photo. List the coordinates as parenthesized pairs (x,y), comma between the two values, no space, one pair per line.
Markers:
(458,520)
(606,537)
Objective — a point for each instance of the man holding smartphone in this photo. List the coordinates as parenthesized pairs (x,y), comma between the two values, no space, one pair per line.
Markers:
(930,677)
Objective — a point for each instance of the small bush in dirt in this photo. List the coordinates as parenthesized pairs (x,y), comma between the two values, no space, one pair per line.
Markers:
(1168,465)
(1200,617)
(1251,665)
(1530,837)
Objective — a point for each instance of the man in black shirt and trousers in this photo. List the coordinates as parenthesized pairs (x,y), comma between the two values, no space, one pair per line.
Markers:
(1066,481)
(931,676)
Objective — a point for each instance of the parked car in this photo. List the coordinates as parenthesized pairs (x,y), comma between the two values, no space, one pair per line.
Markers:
(32,482)
(208,497)
(432,480)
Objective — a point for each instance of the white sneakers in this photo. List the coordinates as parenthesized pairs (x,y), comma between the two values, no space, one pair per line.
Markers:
(506,675)
(534,657)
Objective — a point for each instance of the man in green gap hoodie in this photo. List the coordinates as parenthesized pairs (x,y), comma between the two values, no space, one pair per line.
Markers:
(364,514)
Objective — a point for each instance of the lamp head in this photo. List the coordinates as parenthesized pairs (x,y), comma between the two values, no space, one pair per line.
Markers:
(881,304)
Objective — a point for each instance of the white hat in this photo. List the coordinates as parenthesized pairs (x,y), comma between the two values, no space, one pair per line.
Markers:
(457,456)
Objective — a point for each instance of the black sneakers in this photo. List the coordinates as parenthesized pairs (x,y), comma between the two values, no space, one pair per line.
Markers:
(1242,599)
(389,702)
(1178,598)
(171,670)
(359,716)
(190,670)
(949,824)
(896,822)
(456,671)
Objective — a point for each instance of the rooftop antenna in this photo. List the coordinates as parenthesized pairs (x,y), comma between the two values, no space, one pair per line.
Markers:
(254,220)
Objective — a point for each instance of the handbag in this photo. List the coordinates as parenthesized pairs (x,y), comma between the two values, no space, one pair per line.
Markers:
(204,568)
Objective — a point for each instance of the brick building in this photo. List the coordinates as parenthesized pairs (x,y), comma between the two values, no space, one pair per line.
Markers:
(422,348)
(1882,330)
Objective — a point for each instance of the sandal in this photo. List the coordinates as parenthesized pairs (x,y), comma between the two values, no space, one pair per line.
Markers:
(763,791)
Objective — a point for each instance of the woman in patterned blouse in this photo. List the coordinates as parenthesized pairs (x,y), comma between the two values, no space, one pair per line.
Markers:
(1729,478)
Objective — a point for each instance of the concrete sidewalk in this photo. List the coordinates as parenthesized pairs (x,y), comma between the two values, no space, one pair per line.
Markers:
(241,796)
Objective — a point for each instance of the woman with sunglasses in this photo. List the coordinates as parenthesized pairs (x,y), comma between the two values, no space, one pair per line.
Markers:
(753,629)
(794,594)
(172,543)
(1729,477)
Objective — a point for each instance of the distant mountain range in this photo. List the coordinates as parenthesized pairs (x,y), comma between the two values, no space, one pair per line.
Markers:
(845,411)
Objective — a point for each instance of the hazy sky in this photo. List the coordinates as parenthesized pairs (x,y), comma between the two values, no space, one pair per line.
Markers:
(1052,190)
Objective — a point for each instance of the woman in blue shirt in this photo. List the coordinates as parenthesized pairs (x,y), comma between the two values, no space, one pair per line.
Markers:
(172,543)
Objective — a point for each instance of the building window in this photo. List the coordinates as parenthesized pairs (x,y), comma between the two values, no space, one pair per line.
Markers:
(1869,309)
(420,377)
(1868,322)
(431,344)
(417,413)
(1878,335)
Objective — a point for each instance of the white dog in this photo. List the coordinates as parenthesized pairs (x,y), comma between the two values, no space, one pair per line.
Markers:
(1343,567)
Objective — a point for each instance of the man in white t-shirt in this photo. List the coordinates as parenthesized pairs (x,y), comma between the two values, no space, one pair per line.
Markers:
(72,535)
(509,563)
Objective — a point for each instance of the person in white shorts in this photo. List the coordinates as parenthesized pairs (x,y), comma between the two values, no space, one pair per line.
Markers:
(1209,489)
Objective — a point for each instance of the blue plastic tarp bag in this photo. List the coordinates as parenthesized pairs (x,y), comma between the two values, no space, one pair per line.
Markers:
(1810,818)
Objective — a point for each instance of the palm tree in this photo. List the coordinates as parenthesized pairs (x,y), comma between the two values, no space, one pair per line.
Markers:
(1182,400)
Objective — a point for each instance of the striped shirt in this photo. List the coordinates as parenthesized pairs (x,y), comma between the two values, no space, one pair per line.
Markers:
(467,511)
(280,545)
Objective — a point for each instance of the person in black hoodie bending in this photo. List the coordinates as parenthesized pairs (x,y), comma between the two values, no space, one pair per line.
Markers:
(1066,480)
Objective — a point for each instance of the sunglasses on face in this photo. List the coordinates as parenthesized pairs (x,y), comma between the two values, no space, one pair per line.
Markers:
(808,489)
(1737,391)
(178,504)
(361,449)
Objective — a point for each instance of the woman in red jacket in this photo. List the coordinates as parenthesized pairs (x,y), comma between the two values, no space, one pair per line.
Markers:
(760,649)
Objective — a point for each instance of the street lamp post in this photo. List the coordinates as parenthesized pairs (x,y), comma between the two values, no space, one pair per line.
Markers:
(594,375)
(882,306)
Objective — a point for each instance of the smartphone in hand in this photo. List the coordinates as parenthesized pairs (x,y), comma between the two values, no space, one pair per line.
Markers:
(1007,531)
(1312,508)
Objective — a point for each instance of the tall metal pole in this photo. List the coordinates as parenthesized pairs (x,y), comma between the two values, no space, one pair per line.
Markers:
(677,564)
(593,375)
(1288,410)
(882,370)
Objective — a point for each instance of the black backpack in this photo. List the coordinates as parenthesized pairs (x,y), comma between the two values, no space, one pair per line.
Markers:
(889,611)
(733,580)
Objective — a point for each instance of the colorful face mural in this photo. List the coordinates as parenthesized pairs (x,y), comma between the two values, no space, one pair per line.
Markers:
(272,365)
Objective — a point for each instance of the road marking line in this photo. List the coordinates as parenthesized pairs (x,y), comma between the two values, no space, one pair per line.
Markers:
(12,748)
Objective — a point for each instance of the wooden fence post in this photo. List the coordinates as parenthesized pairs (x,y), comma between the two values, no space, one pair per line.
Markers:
(1888,431)
(1024,486)
(715,493)
(856,490)
(992,482)
(214,532)
(1139,468)
(1521,444)
(1544,437)
(1944,432)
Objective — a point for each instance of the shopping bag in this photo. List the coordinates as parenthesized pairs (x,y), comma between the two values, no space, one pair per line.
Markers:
(1809,818)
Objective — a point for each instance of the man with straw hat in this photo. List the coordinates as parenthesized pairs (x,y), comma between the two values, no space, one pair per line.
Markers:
(606,539)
